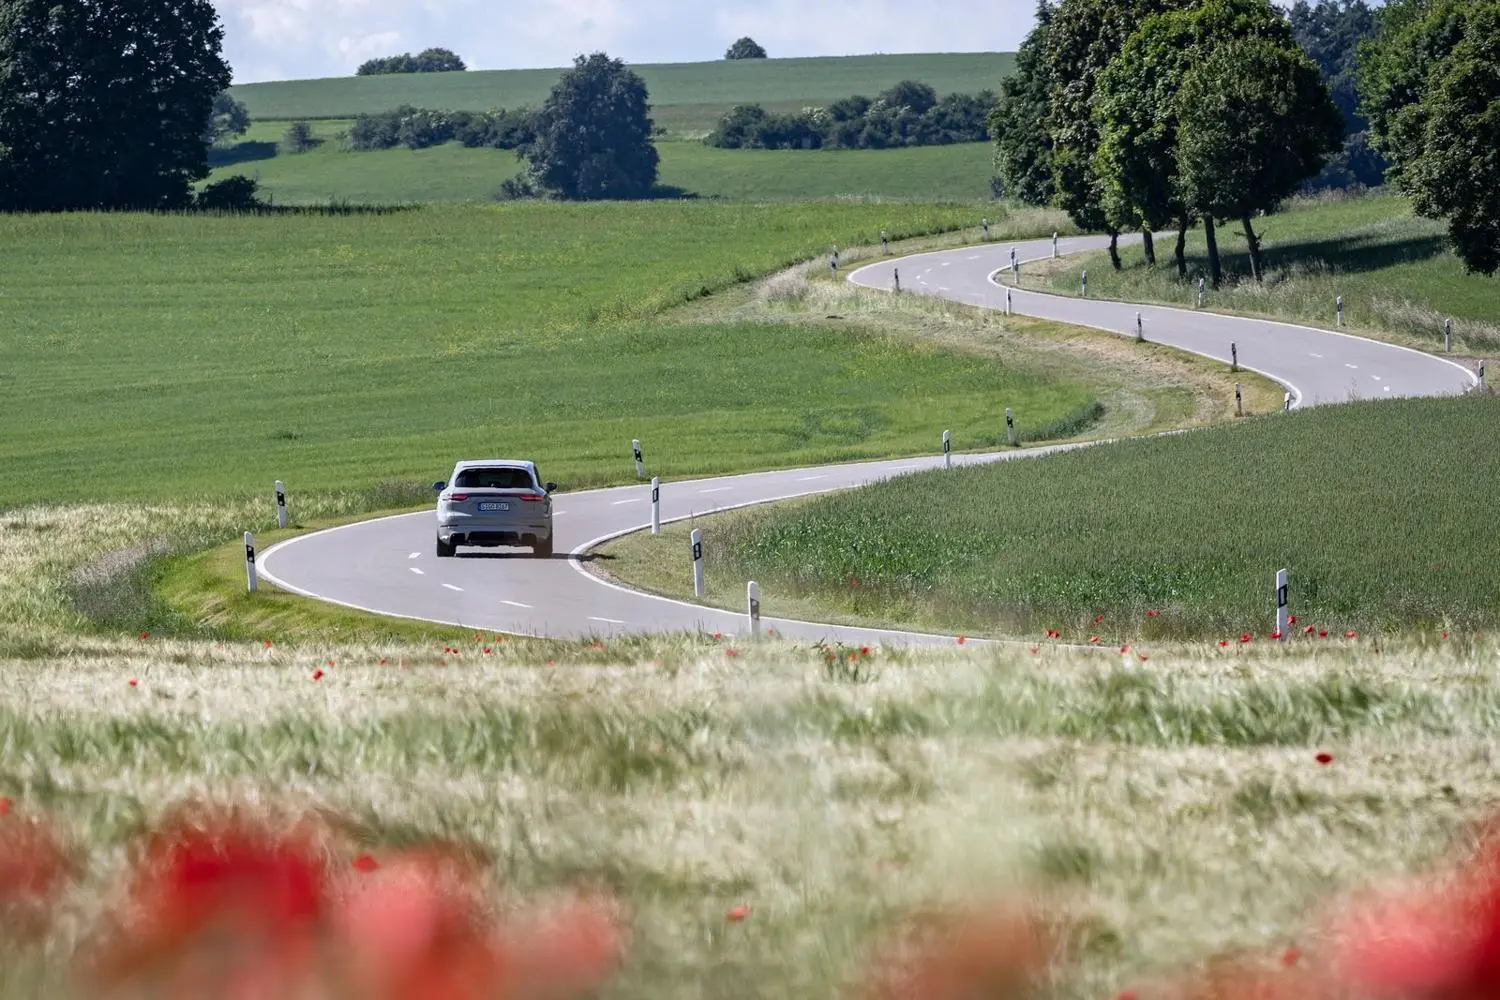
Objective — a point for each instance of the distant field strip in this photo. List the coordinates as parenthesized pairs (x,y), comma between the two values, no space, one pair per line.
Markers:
(684,96)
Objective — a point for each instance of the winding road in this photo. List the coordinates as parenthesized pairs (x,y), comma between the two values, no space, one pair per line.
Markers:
(387,566)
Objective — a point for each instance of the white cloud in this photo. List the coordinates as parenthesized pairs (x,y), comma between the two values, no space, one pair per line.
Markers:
(282,39)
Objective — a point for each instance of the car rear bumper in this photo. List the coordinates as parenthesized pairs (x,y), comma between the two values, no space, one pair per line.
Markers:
(478,531)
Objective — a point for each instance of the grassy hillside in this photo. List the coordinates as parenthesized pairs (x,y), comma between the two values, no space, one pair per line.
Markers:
(1378,529)
(451,173)
(686,97)
(1394,270)
(163,357)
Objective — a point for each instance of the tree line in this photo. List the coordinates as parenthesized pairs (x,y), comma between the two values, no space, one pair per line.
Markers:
(1154,114)
(426,61)
(908,114)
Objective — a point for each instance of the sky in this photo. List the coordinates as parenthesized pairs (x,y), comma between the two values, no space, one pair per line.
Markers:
(301,39)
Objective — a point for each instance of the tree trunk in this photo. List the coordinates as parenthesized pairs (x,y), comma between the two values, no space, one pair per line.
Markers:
(1149,242)
(1182,228)
(1114,249)
(1254,243)
(1215,270)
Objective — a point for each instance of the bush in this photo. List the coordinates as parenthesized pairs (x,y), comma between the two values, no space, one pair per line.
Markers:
(902,116)
(420,128)
(299,137)
(232,194)
(745,48)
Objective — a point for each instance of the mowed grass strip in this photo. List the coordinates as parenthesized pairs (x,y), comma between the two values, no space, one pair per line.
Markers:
(453,174)
(172,357)
(685,97)
(1398,278)
(830,803)
(1381,513)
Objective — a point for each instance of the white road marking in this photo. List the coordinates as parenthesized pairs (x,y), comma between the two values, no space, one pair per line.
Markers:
(415,555)
(607,621)
(811,479)
(1348,365)
(943,288)
(453,588)
(1377,378)
(721,489)
(619,503)
(947,263)
(417,571)
(1311,354)
(1387,388)
(517,604)
(972,257)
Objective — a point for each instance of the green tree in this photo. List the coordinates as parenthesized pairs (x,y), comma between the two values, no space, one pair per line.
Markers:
(1083,38)
(593,135)
(437,60)
(103,103)
(299,137)
(1136,113)
(1450,157)
(918,97)
(1256,121)
(1330,32)
(228,118)
(745,48)
(1017,124)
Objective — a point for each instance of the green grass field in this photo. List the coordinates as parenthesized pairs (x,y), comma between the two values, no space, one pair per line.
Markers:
(1379,512)
(686,97)
(167,357)
(1398,278)
(451,173)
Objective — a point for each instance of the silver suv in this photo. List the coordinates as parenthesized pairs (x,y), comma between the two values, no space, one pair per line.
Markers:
(494,502)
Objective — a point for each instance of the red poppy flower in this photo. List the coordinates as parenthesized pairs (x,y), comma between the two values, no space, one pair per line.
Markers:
(718,636)
(1291,619)
(1351,635)
(1443,636)
(132,682)
(1223,643)
(1324,758)
(365,864)
(864,651)
(1291,956)
(854,581)
(738,913)
(1276,636)
(999,952)
(1144,657)
(1094,639)
(1124,649)
(267,643)
(35,867)
(732,653)
(384,661)
(962,640)
(317,675)
(1098,619)
(1247,637)
(1322,633)
(145,636)
(486,651)
(1153,614)
(1308,630)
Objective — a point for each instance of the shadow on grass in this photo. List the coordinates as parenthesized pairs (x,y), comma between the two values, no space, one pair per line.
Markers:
(242,152)
(1347,255)
(525,554)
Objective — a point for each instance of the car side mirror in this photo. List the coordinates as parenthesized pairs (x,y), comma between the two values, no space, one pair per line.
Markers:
(439,485)
(550,487)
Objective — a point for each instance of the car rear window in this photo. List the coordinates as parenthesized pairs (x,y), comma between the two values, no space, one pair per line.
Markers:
(494,479)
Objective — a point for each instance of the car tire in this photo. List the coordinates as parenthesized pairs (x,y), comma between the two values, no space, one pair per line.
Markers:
(542,550)
(445,550)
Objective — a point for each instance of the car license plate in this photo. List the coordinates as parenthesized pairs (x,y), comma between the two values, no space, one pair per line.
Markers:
(494,506)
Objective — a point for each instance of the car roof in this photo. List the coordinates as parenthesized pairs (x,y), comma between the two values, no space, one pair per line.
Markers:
(492,463)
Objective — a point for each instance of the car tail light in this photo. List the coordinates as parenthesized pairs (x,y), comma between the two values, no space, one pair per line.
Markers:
(529,498)
(457,497)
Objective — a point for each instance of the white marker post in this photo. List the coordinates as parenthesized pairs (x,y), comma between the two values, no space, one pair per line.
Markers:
(986,228)
(640,465)
(1015,271)
(1200,293)
(1010,425)
(1447,336)
(1481,375)
(1239,402)
(1234,357)
(1281,622)
(655,505)
(896,277)
(280,504)
(1140,330)
(1009,311)
(698,562)
(1286,404)
(885,241)
(1085,284)
(1341,310)
(752,593)
(250,579)
(1054,246)
(947,450)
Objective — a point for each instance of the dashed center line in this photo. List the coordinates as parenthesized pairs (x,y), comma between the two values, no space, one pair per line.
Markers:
(450,586)
(415,555)
(1348,365)
(517,604)
(1377,378)
(417,571)
(607,621)
(721,489)
(811,479)
(1312,355)
(621,503)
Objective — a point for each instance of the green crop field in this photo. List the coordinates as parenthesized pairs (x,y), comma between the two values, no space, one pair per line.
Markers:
(1398,279)
(1381,512)
(451,173)
(685,97)
(164,357)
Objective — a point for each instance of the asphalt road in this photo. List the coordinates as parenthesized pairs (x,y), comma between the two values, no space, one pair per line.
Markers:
(388,566)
